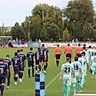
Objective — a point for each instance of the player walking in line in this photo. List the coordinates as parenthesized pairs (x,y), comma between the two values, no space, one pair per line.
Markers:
(7,61)
(89,55)
(77,74)
(83,62)
(93,66)
(68,51)
(78,49)
(31,60)
(42,53)
(46,59)
(66,76)
(57,52)
(22,62)
(37,60)
(3,71)
(16,63)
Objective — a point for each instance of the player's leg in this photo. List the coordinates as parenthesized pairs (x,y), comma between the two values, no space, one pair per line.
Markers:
(68,86)
(23,70)
(74,84)
(8,82)
(16,72)
(21,75)
(57,59)
(29,68)
(41,64)
(2,84)
(32,69)
(46,64)
(44,69)
(95,73)
(78,83)
(65,88)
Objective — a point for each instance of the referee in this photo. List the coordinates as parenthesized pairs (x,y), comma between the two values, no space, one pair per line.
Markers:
(68,51)
(57,52)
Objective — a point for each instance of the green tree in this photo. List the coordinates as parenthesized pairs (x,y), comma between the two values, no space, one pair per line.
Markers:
(66,35)
(49,15)
(78,14)
(17,31)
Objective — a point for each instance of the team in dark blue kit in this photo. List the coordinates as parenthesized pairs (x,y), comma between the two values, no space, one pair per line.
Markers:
(16,65)
(31,59)
(7,61)
(36,61)
(3,74)
(43,53)
(22,58)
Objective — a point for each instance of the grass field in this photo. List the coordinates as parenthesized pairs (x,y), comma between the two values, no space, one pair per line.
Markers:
(54,86)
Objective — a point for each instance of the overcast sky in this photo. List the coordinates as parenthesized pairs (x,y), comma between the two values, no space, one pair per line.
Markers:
(12,11)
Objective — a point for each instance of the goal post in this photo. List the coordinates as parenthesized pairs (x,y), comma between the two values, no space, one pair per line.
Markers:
(85,95)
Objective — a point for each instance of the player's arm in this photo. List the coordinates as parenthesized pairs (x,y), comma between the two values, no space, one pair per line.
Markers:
(34,58)
(80,73)
(12,69)
(72,74)
(7,71)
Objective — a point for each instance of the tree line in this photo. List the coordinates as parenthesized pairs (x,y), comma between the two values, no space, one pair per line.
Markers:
(49,23)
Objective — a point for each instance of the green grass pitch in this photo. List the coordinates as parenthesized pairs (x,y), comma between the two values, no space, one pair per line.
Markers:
(54,86)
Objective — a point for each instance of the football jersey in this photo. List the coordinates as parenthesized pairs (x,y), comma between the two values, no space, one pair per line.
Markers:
(7,62)
(77,67)
(3,69)
(89,55)
(16,61)
(82,60)
(41,52)
(30,56)
(22,57)
(67,70)
(37,56)
(93,61)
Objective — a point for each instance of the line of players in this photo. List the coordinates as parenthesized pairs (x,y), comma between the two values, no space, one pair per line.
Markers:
(75,73)
(38,61)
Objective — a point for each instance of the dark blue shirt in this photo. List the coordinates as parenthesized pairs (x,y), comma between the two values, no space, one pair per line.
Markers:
(30,56)
(3,69)
(37,56)
(22,57)
(41,52)
(16,61)
(7,62)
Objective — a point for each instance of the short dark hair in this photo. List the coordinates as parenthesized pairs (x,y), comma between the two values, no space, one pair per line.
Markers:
(68,44)
(89,47)
(15,54)
(76,58)
(58,45)
(79,44)
(43,45)
(21,50)
(31,48)
(18,51)
(67,59)
(84,45)
(7,55)
(38,48)
(1,59)
(83,54)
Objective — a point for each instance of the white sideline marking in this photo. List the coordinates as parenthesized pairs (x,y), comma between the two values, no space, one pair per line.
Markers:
(85,94)
(52,81)
(48,90)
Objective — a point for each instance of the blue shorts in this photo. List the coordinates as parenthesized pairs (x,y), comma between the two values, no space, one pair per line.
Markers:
(2,79)
(30,63)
